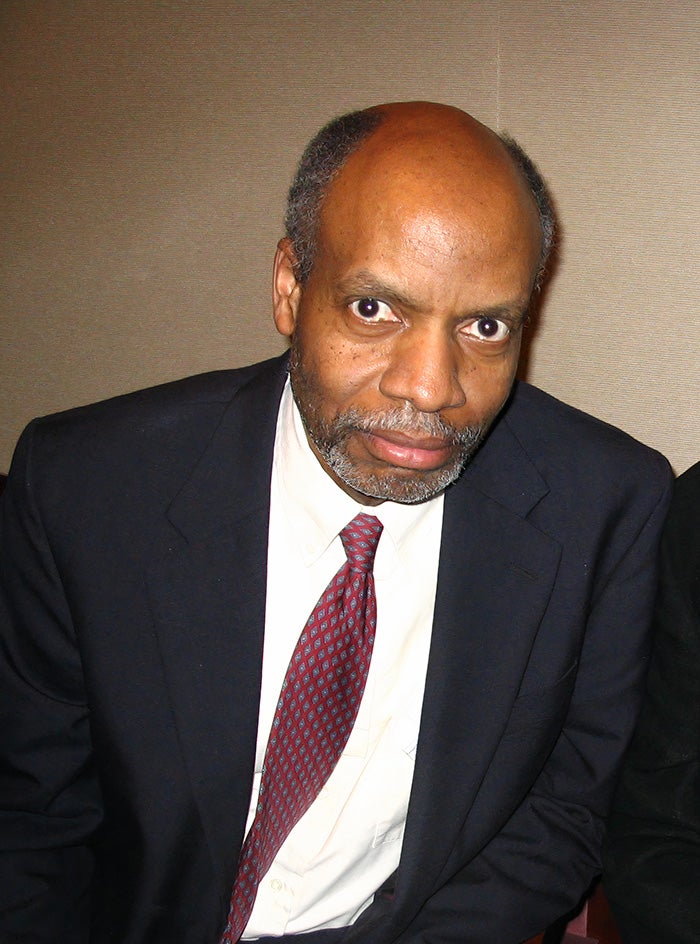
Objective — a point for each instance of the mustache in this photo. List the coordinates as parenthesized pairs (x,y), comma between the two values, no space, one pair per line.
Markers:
(407,420)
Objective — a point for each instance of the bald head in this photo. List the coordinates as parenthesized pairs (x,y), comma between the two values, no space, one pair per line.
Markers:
(432,133)
(438,148)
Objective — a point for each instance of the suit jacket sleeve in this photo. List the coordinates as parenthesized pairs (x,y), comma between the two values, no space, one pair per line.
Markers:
(653,855)
(538,867)
(49,798)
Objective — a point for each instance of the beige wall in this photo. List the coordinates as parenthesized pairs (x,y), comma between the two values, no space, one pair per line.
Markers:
(146,147)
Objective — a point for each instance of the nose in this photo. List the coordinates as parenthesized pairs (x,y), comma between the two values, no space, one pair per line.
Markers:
(424,368)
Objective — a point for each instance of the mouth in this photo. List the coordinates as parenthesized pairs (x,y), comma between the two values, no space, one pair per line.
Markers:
(421,453)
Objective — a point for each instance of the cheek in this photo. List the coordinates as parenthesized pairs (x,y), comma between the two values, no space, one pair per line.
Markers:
(487,383)
(336,377)
(351,382)
(343,373)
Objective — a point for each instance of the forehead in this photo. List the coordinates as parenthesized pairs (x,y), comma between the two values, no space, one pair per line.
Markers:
(430,224)
(440,206)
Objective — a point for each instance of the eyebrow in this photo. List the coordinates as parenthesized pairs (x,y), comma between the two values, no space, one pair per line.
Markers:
(367,284)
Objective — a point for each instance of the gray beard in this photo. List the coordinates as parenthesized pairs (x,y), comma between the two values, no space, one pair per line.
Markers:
(330,439)
(398,488)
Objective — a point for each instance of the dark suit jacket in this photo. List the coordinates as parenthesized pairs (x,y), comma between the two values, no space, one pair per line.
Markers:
(133,565)
(652,872)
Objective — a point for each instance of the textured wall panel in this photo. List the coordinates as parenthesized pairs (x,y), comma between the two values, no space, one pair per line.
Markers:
(146,148)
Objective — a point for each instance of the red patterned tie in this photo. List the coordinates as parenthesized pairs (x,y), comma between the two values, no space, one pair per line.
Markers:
(317,707)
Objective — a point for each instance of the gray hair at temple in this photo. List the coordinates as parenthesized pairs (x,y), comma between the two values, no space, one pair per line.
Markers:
(330,148)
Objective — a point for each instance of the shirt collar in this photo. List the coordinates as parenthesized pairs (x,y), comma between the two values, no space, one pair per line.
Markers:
(314,504)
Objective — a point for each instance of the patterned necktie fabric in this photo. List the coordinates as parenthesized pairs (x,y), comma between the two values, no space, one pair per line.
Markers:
(315,713)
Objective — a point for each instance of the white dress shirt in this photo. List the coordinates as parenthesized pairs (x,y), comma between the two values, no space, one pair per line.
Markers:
(349,841)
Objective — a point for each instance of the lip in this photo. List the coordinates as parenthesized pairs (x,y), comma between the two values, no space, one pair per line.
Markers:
(408,452)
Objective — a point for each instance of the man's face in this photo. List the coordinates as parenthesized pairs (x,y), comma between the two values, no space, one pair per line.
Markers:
(405,337)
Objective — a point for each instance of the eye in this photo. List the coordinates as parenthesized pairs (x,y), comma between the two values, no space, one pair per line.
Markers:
(372,310)
(487,329)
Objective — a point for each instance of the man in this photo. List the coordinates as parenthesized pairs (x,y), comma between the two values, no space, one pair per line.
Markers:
(653,856)
(162,552)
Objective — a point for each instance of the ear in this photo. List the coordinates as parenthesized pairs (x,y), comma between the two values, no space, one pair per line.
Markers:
(286,290)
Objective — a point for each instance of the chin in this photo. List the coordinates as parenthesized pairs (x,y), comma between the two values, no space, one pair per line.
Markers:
(404,487)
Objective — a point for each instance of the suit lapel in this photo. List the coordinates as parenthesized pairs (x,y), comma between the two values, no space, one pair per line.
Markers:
(495,577)
(208,598)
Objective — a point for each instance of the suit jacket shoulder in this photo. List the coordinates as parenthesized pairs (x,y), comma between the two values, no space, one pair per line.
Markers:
(170,416)
(551,431)
(140,447)
(592,478)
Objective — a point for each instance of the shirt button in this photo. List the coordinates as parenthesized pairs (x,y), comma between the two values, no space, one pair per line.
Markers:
(276,885)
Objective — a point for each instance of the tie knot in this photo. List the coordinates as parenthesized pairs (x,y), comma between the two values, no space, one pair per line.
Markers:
(360,539)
